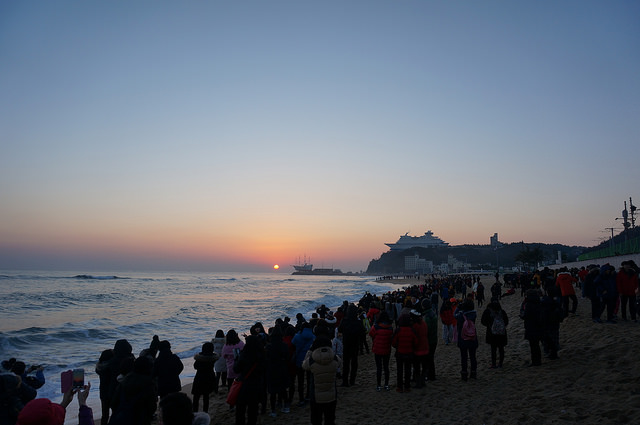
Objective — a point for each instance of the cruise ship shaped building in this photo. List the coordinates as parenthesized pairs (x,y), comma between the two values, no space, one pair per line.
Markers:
(428,240)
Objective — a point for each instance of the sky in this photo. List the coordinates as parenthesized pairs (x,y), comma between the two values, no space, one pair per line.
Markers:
(232,136)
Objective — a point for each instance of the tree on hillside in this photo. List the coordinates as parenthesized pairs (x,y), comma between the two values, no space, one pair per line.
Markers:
(530,257)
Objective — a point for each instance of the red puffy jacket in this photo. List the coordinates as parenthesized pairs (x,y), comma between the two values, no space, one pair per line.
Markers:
(626,283)
(404,340)
(381,333)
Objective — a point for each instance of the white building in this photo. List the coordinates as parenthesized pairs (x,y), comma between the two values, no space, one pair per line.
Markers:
(414,263)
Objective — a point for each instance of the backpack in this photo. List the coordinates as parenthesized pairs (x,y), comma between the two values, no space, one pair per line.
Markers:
(498,327)
(468,329)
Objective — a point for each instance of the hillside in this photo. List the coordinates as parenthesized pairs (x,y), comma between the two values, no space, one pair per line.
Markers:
(478,256)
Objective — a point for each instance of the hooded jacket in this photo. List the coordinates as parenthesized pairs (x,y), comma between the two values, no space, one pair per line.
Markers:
(205,376)
(381,333)
(565,281)
(351,328)
(167,368)
(422,333)
(302,341)
(323,364)
(606,283)
(135,400)
(627,282)
(121,350)
(404,340)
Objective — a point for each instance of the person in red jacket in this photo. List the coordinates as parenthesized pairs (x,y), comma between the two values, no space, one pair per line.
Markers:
(627,285)
(421,350)
(404,340)
(565,281)
(446,316)
(381,334)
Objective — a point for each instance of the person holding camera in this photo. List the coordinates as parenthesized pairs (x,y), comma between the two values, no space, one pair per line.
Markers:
(44,411)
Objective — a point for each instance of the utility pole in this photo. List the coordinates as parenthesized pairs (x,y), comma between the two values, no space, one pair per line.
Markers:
(610,240)
(633,212)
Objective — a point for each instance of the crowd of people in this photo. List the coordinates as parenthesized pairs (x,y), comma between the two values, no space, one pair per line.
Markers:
(303,363)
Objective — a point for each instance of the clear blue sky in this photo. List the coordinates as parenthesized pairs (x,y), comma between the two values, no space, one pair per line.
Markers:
(237,135)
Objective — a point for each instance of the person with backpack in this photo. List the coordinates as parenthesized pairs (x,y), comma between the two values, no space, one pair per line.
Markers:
(467,338)
(496,321)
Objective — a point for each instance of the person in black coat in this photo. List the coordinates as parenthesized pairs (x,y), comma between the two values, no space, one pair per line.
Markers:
(166,370)
(135,399)
(533,324)
(122,355)
(251,366)
(277,361)
(497,340)
(203,382)
(103,373)
(352,329)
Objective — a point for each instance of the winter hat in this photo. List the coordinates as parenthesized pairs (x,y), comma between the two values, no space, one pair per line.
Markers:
(41,411)
(426,304)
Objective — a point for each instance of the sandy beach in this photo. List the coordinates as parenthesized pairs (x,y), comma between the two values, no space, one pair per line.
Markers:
(596,380)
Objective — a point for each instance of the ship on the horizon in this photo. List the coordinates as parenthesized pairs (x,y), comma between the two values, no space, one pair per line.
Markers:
(306,268)
(319,272)
(428,240)
(303,266)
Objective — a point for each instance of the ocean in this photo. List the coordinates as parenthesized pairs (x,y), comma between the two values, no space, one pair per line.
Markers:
(64,320)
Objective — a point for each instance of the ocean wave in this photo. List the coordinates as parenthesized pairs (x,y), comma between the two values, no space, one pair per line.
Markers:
(88,276)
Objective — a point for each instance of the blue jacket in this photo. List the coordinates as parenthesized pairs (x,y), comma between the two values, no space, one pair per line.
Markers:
(606,283)
(302,341)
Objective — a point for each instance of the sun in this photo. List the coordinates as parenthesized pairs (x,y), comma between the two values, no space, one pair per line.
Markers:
(276,267)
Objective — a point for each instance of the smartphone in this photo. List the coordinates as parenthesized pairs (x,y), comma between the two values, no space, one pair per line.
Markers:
(78,378)
(66,381)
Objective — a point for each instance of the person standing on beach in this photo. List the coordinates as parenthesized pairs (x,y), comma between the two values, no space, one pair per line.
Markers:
(135,400)
(404,340)
(531,313)
(431,319)
(381,334)
(446,316)
(122,352)
(302,341)
(351,329)
(627,285)
(250,366)
(103,374)
(480,293)
(166,370)
(220,366)
(606,287)
(277,362)
(467,338)
(230,352)
(323,364)
(552,315)
(496,321)
(203,382)
(565,281)
(421,350)
(590,291)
